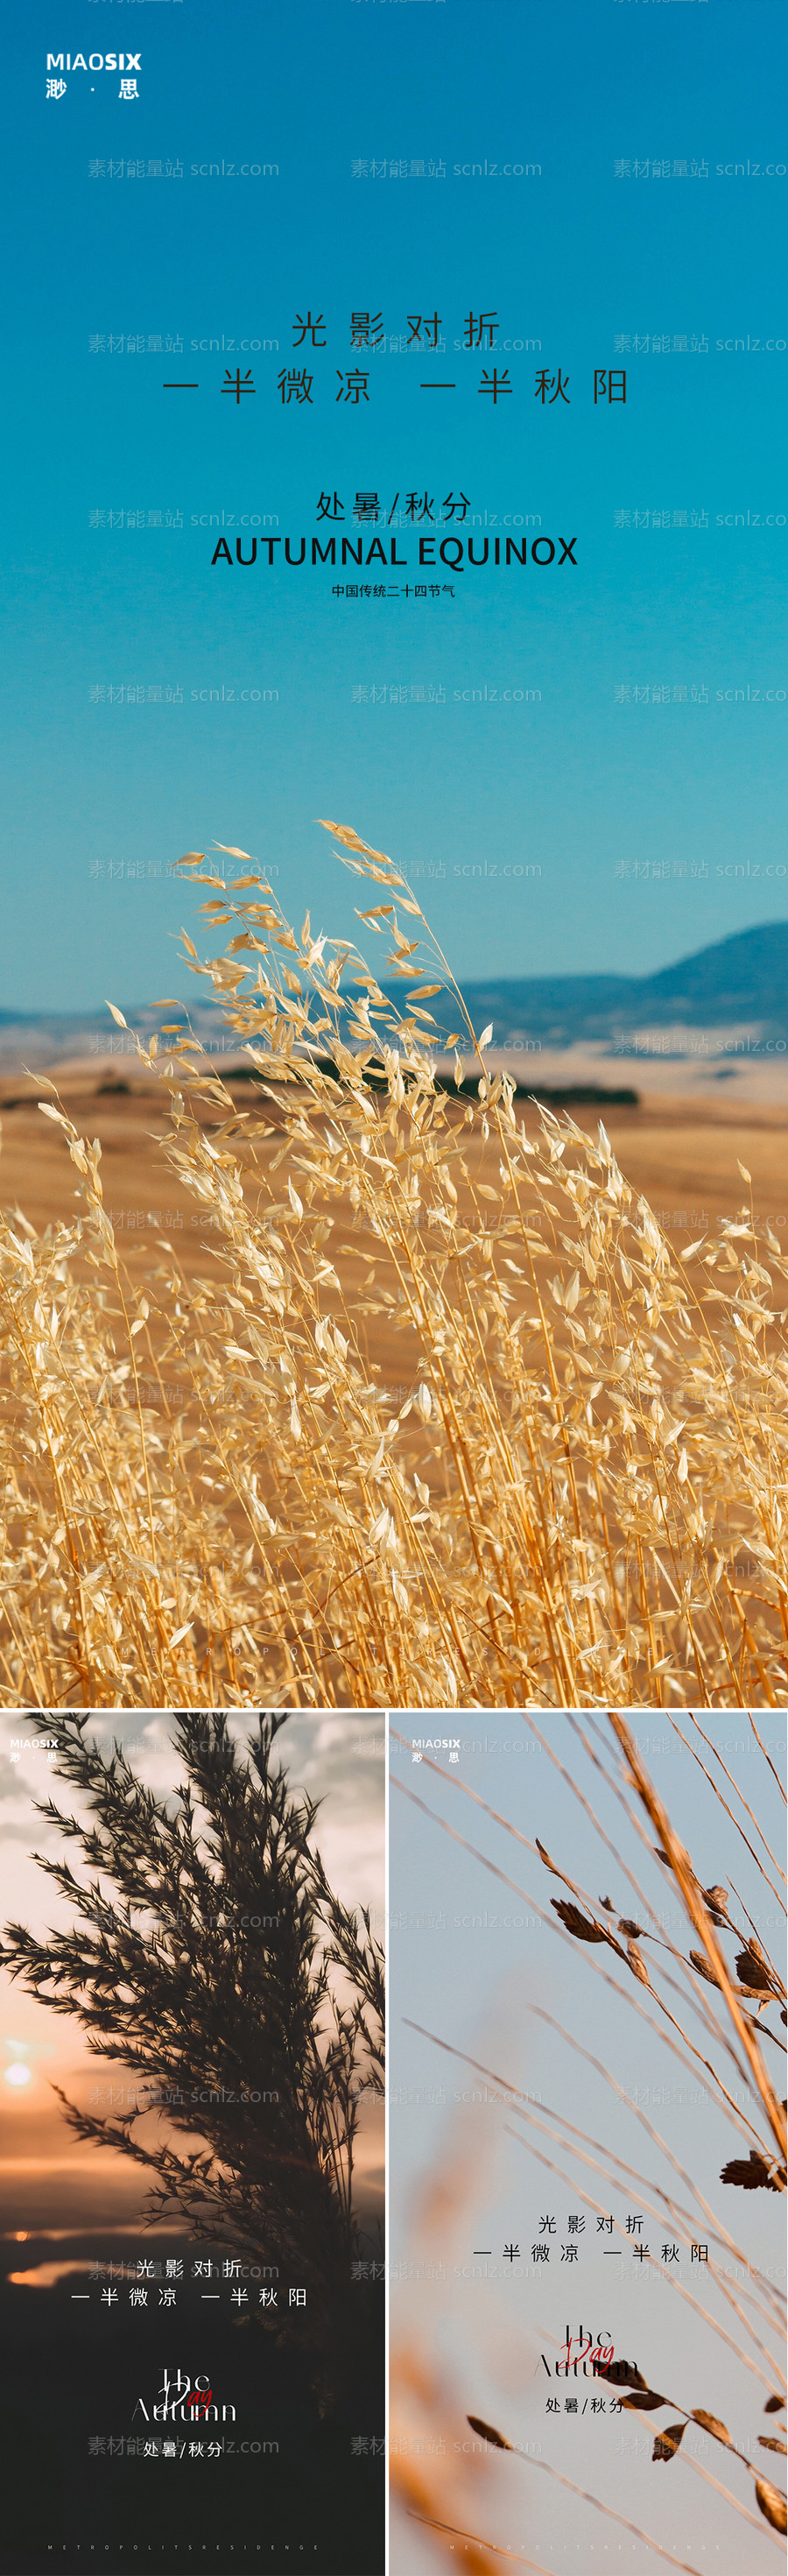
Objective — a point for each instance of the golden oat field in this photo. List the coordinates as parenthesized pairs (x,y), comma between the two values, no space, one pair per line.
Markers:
(345,1385)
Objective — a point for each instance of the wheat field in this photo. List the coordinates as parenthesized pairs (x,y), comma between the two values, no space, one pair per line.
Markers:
(564,1483)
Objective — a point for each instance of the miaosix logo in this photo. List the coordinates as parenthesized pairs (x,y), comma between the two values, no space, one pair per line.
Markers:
(93,62)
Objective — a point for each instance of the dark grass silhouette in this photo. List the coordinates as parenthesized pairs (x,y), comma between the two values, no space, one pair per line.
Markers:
(210,1957)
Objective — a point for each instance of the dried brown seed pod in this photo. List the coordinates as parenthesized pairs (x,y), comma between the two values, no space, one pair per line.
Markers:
(701,1967)
(751,2174)
(488,2433)
(753,1970)
(772,2503)
(644,2404)
(625,2374)
(711,2424)
(577,1923)
(667,2443)
(717,1901)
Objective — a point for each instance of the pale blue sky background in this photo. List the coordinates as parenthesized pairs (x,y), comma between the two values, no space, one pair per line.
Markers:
(570,783)
(468,1957)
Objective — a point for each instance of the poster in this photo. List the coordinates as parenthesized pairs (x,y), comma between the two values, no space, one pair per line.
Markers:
(396,883)
(192,2080)
(393,1044)
(586,2238)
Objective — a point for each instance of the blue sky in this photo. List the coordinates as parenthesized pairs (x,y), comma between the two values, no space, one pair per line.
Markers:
(567,791)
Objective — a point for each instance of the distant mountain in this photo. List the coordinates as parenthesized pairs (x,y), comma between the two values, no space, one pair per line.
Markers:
(739,983)
(37,1038)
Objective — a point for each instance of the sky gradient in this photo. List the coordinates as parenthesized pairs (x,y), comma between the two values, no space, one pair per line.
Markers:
(566,791)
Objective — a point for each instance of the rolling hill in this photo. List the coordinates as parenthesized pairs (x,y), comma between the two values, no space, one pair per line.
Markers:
(738,984)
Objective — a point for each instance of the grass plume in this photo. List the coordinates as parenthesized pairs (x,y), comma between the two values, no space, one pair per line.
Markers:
(714,2009)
